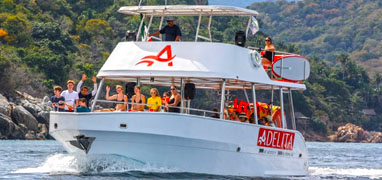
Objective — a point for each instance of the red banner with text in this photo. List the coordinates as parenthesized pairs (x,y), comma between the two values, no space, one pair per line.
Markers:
(275,139)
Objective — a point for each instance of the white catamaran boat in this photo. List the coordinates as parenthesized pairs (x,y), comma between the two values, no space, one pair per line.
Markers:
(193,141)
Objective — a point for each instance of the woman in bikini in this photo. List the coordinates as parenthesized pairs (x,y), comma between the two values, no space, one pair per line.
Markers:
(269,52)
(174,103)
(138,98)
(119,97)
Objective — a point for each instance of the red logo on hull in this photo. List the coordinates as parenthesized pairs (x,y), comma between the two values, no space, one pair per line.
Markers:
(275,139)
(150,59)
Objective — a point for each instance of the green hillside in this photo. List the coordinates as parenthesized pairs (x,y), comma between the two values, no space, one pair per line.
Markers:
(46,42)
(328,28)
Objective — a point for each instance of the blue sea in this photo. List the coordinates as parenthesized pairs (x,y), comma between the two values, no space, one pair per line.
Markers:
(48,160)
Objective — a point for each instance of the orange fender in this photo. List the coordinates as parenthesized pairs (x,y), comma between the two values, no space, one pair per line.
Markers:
(276,118)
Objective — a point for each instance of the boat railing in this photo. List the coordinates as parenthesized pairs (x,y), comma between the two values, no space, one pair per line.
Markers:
(186,110)
(280,53)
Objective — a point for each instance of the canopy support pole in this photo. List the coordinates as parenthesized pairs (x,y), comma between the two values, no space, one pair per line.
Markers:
(148,27)
(140,26)
(198,27)
(160,26)
(188,106)
(249,23)
(138,81)
(245,93)
(97,95)
(209,29)
(182,95)
(282,108)
(254,103)
(222,100)
(291,109)
(271,105)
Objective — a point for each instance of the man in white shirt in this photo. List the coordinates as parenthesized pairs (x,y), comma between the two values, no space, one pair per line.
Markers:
(71,97)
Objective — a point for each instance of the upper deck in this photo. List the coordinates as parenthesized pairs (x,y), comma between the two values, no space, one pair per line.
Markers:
(202,63)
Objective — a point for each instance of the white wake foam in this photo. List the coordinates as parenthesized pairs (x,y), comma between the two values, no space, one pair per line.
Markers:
(353,172)
(76,164)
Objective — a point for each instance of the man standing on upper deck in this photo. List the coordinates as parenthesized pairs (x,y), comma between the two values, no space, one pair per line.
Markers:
(171,31)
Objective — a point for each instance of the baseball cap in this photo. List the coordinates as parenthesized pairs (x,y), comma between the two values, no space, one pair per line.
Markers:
(170,19)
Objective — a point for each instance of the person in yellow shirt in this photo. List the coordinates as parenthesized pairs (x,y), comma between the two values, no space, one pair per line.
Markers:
(155,101)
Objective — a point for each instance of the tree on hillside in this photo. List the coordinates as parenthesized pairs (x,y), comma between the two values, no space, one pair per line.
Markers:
(343,59)
(377,80)
(17,27)
(98,29)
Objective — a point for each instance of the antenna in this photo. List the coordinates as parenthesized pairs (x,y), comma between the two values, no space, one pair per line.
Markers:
(165,2)
(140,2)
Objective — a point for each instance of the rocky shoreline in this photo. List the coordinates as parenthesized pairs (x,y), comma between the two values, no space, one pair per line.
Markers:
(353,133)
(24,117)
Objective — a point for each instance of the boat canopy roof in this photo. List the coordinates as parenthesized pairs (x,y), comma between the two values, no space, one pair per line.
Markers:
(187,10)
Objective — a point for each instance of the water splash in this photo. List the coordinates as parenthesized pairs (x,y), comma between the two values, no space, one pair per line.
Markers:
(348,172)
(91,164)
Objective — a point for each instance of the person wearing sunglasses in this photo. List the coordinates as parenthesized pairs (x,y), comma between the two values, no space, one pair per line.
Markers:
(174,103)
(171,30)
(155,101)
(269,52)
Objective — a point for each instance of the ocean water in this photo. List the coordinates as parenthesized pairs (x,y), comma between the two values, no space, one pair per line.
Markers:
(48,160)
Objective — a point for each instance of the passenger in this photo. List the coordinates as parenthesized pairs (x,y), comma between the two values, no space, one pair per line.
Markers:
(226,114)
(119,97)
(243,117)
(155,101)
(269,121)
(268,55)
(58,101)
(71,97)
(138,98)
(165,100)
(216,114)
(262,121)
(84,92)
(251,119)
(174,103)
(235,116)
(82,106)
(172,32)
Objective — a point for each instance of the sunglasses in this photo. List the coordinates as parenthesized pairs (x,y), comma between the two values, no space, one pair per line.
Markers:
(267,40)
(173,89)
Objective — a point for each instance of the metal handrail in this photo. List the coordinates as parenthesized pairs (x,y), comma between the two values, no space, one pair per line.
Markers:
(156,38)
(161,106)
(280,52)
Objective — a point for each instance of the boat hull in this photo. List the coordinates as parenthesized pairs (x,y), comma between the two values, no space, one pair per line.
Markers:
(181,142)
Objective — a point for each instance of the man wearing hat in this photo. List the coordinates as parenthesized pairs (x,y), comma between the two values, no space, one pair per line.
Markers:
(243,117)
(171,31)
